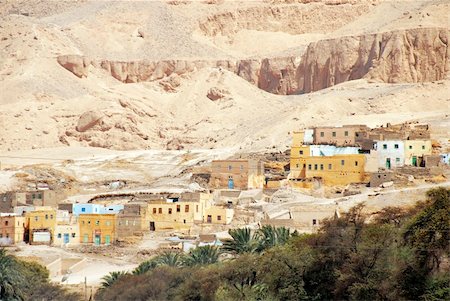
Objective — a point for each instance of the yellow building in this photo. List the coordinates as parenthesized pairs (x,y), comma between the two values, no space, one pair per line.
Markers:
(182,214)
(97,228)
(218,215)
(67,234)
(341,169)
(415,150)
(12,229)
(40,225)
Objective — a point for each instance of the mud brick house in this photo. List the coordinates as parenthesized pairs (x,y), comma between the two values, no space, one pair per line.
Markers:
(239,174)
(338,136)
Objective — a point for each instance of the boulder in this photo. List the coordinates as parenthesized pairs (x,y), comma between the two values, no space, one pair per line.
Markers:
(88,119)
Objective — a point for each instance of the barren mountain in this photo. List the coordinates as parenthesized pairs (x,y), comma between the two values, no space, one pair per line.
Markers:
(207,74)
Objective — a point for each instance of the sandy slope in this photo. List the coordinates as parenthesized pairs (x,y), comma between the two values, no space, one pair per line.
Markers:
(40,102)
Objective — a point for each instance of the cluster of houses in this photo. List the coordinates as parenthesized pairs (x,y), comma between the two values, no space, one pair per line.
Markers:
(120,218)
(330,156)
(356,153)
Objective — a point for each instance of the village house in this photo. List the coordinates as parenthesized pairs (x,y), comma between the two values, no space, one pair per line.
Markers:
(97,229)
(133,220)
(66,235)
(89,208)
(391,153)
(338,136)
(416,150)
(12,229)
(380,177)
(332,165)
(239,174)
(40,225)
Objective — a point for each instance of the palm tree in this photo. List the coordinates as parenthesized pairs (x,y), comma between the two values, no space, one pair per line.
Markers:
(11,279)
(112,277)
(202,256)
(145,266)
(243,242)
(270,236)
(169,258)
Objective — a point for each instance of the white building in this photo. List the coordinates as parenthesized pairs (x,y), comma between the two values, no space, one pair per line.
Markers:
(331,150)
(391,153)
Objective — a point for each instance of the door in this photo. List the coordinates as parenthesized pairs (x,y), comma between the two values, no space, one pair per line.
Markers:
(388,163)
(414,161)
(85,238)
(97,239)
(107,239)
(152,226)
(66,238)
(209,219)
(230,183)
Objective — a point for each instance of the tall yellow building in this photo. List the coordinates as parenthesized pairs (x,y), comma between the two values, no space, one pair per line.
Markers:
(12,229)
(97,228)
(40,225)
(340,169)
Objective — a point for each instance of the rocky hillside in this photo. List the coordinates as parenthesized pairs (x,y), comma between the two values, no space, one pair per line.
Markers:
(195,74)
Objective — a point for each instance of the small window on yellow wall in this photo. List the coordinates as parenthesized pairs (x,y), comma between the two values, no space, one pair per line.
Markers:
(334,134)
(178,208)
(356,163)
(330,166)
(301,152)
(423,146)
(346,133)
(186,208)
(321,134)
(196,208)
(170,211)
(309,166)
(154,210)
(410,147)
(321,166)
(219,218)
(342,162)
(160,210)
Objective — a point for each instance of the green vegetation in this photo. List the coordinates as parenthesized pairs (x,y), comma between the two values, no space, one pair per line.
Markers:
(398,254)
(22,280)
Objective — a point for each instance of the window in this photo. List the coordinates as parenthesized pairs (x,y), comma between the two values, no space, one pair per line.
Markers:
(410,147)
(322,134)
(108,223)
(33,196)
(396,146)
(89,222)
(82,222)
(184,221)
(297,165)
(321,166)
(73,235)
(6,223)
(304,165)
(346,133)
(219,218)
(160,210)
(314,222)
(384,146)
(315,166)
(83,209)
(356,163)
(397,160)
(301,152)
(46,216)
(170,210)
(229,167)
(178,208)
(342,162)
(334,134)
(242,167)
(186,208)
(97,223)
(309,166)
(196,208)
(51,216)
(154,210)
(36,218)
(39,196)
(423,146)
(330,166)
(59,235)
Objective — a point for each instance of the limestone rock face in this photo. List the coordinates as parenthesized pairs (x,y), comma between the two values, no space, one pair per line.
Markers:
(409,56)
(215,93)
(406,56)
(76,64)
(88,120)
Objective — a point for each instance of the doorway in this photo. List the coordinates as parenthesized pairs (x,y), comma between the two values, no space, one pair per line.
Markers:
(388,163)
(152,226)
(107,239)
(414,161)
(97,239)
(66,238)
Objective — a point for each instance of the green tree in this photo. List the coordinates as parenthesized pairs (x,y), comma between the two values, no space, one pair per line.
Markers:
(243,241)
(11,279)
(270,236)
(112,277)
(145,266)
(172,259)
(201,256)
